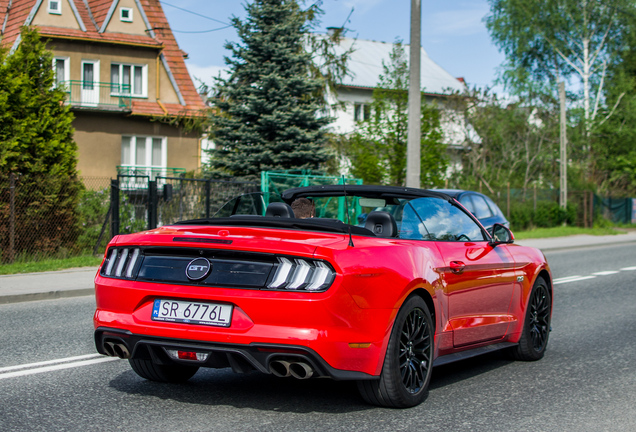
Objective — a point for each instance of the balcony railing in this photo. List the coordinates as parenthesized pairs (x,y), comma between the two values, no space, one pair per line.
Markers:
(97,95)
(137,176)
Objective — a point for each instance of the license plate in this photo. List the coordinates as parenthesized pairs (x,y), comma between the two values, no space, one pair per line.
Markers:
(211,314)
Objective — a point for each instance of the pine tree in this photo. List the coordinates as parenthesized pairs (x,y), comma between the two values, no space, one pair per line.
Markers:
(37,147)
(268,110)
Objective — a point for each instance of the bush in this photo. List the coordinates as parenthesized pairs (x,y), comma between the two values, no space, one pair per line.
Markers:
(548,214)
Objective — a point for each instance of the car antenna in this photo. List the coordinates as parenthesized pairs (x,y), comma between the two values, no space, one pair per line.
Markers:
(347,209)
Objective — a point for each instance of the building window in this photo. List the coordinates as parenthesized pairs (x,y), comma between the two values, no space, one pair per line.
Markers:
(361,112)
(126,14)
(55,7)
(143,152)
(127,79)
(62,71)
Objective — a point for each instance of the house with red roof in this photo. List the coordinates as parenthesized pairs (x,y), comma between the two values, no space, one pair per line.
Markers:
(125,78)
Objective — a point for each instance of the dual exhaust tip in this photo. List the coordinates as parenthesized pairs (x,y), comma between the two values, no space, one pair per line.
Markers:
(116,349)
(297,369)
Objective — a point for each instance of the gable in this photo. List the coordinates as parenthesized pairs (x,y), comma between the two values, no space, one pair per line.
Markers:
(125,16)
(66,17)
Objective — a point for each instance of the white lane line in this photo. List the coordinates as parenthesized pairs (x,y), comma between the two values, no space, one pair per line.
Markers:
(57,367)
(572,279)
(629,268)
(49,362)
(563,279)
(606,273)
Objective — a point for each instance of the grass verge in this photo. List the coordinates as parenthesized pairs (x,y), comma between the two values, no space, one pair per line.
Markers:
(563,232)
(49,264)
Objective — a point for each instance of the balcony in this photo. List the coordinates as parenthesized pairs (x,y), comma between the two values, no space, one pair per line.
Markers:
(89,95)
(137,176)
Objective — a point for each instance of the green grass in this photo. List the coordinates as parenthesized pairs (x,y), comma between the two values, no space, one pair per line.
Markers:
(563,232)
(49,264)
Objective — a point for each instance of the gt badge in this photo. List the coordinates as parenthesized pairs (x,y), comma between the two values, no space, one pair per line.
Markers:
(198,268)
(519,278)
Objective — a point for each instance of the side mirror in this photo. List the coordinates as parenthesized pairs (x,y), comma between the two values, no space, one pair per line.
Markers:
(501,235)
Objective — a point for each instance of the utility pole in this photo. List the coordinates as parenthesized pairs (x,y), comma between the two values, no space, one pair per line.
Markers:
(563,197)
(415,99)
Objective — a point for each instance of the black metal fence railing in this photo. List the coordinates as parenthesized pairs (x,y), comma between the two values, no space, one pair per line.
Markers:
(38,221)
(165,200)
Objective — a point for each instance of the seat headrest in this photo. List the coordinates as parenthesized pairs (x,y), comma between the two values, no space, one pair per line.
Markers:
(279,209)
(382,224)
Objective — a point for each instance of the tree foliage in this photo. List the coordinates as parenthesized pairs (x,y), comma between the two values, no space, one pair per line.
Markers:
(377,150)
(36,146)
(514,143)
(549,40)
(268,110)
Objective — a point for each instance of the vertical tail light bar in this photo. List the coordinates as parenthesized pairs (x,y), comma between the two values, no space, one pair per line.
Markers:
(121,263)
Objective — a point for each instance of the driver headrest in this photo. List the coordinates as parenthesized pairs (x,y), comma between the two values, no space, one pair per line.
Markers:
(279,209)
(382,224)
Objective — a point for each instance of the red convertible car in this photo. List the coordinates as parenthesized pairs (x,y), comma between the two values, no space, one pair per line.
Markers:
(420,284)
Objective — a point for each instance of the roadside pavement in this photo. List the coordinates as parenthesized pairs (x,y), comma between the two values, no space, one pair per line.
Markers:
(79,281)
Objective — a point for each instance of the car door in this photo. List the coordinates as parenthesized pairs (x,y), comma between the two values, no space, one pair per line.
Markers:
(477,279)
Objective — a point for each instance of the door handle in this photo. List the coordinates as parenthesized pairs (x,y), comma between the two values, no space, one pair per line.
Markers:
(457,267)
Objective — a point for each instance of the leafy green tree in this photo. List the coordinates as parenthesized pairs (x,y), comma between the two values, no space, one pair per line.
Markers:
(268,110)
(37,147)
(505,143)
(551,40)
(377,150)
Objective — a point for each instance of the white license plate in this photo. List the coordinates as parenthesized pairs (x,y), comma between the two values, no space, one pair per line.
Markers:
(211,314)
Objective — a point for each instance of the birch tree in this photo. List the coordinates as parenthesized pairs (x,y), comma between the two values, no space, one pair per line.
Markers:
(573,40)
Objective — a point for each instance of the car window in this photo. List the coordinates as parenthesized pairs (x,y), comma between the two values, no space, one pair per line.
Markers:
(432,218)
(466,202)
(495,209)
(482,210)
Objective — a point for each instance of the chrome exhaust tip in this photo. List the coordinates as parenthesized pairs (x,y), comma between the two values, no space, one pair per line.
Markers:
(280,368)
(121,351)
(301,370)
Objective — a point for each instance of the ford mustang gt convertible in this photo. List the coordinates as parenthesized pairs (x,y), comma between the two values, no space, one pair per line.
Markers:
(418,284)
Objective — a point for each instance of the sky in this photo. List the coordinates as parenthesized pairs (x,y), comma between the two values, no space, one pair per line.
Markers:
(453,32)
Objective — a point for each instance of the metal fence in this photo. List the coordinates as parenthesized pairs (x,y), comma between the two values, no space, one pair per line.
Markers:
(142,203)
(45,220)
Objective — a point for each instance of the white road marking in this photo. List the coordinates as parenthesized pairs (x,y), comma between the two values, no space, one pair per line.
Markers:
(572,279)
(605,273)
(629,268)
(54,367)
(49,362)
(564,279)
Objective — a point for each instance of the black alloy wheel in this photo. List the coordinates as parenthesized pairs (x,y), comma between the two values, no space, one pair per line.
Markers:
(536,329)
(408,363)
(414,351)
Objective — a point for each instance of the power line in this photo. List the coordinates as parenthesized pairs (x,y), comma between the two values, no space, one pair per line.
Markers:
(202,31)
(196,13)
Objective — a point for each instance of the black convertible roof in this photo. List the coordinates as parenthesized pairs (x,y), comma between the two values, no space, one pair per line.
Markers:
(367,191)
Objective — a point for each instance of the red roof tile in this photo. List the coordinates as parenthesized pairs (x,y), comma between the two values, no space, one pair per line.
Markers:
(116,38)
(99,9)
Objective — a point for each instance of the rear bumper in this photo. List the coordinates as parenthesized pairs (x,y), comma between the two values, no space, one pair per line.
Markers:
(241,358)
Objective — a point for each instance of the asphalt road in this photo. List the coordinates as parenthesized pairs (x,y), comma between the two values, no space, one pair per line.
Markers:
(49,380)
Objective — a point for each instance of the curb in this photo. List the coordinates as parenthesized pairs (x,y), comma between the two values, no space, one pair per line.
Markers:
(51,295)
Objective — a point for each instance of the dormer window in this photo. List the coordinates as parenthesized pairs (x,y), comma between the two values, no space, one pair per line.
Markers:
(55,7)
(126,14)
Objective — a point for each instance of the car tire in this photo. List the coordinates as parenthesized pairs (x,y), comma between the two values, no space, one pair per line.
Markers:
(173,373)
(408,362)
(536,325)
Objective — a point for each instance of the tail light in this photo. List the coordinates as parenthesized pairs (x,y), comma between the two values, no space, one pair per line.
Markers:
(122,263)
(302,275)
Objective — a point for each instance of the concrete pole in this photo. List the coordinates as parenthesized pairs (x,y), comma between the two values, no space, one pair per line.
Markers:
(415,99)
(563,198)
